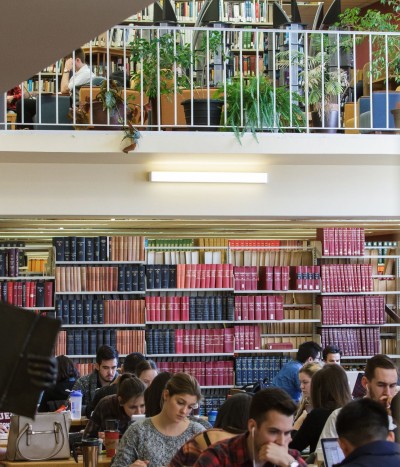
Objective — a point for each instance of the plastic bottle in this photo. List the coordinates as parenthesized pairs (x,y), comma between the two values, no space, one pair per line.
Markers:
(76,404)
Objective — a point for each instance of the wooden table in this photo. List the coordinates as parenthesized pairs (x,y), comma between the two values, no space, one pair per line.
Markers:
(103,462)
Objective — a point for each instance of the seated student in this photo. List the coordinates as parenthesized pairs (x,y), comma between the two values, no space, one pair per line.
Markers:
(306,373)
(154,441)
(332,354)
(146,370)
(329,391)
(231,420)
(128,401)
(395,411)
(364,436)
(266,441)
(57,395)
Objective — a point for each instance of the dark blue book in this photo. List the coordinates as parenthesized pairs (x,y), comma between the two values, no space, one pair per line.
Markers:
(142,278)
(4,291)
(59,310)
(150,276)
(238,372)
(128,278)
(100,311)
(70,342)
(78,348)
(211,308)
(230,312)
(164,276)
(72,311)
(107,337)
(157,276)
(2,263)
(103,249)
(171,341)
(85,342)
(79,311)
(89,249)
(92,341)
(192,308)
(135,278)
(157,345)
(80,249)
(23,286)
(67,251)
(95,312)
(58,243)
(100,338)
(218,308)
(172,276)
(113,338)
(96,248)
(72,248)
(200,309)
(206,308)
(149,341)
(65,311)
(121,278)
(87,311)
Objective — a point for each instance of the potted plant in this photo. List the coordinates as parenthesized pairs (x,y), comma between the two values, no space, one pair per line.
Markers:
(323,84)
(253,105)
(109,103)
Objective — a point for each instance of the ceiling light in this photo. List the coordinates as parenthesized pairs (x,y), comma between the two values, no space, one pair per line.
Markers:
(209,177)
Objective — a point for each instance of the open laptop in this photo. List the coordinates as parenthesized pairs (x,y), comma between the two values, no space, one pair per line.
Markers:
(332,451)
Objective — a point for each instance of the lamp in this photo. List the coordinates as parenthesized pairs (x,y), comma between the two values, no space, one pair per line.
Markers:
(209,177)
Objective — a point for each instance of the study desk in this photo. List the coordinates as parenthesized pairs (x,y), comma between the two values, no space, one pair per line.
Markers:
(103,462)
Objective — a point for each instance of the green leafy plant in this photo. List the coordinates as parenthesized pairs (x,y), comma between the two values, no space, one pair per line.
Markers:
(253,106)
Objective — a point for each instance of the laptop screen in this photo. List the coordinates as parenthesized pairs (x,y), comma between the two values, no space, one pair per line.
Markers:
(332,451)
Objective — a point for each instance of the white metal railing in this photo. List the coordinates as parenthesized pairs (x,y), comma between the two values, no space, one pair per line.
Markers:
(267,80)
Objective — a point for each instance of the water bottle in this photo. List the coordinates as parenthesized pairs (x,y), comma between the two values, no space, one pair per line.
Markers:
(76,404)
(212,415)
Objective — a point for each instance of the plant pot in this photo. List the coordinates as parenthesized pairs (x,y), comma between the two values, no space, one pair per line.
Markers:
(200,113)
(396,117)
(100,117)
(331,120)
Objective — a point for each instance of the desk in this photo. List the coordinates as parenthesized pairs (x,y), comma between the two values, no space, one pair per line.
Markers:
(103,462)
(78,425)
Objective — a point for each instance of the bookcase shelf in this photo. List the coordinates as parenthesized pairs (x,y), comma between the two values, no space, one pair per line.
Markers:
(177,323)
(118,326)
(277,321)
(264,351)
(60,263)
(101,292)
(39,308)
(204,289)
(26,278)
(259,292)
(394,292)
(175,355)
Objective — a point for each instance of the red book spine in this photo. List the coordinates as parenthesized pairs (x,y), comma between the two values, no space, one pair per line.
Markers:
(238,308)
(212,276)
(264,308)
(257,308)
(247,277)
(48,294)
(203,338)
(253,278)
(225,276)
(168,308)
(277,278)
(218,276)
(208,276)
(185,308)
(179,341)
(271,307)
(251,307)
(197,275)
(279,307)
(245,308)
(202,276)
(10,292)
(229,334)
(210,381)
(188,275)
(157,308)
(163,308)
(193,276)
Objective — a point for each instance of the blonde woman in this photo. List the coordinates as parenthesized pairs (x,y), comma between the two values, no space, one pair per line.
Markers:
(307,371)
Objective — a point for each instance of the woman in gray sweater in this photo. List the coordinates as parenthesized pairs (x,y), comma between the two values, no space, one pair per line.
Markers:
(154,441)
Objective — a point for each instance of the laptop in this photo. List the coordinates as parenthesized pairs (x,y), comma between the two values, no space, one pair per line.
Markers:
(332,451)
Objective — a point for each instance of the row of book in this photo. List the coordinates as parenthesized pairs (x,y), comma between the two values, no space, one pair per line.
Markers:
(247,337)
(102,248)
(87,341)
(212,400)
(346,278)
(192,341)
(173,308)
(121,278)
(189,276)
(353,310)
(353,341)
(258,307)
(185,256)
(342,241)
(11,260)
(251,369)
(27,294)
(207,373)
(258,256)
(247,12)
(99,311)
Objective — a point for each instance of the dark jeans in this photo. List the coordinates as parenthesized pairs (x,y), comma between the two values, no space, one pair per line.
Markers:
(29,113)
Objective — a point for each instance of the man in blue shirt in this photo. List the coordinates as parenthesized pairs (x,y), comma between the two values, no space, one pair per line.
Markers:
(364,436)
(288,377)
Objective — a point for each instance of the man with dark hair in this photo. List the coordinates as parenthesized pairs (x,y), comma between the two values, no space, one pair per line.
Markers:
(380,381)
(288,377)
(129,366)
(332,354)
(76,74)
(104,374)
(364,436)
(267,439)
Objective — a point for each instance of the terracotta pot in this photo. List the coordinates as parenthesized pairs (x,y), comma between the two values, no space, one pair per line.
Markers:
(100,117)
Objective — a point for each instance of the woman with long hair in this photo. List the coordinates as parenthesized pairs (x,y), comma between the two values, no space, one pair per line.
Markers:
(128,401)
(146,370)
(329,391)
(231,421)
(153,394)
(154,441)
(306,372)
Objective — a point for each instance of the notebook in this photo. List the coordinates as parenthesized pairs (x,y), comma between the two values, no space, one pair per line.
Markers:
(332,451)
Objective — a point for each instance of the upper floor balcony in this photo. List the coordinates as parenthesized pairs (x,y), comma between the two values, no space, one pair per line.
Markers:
(244,84)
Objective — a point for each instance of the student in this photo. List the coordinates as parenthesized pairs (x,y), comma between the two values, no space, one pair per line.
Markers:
(57,395)
(332,354)
(104,374)
(231,420)
(288,377)
(76,74)
(306,373)
(128,401)
(129,366)
(380,381)
(154,441)
(395,411)
(146,370)
(329,391)
(364,436)
(267,438)
(153,394)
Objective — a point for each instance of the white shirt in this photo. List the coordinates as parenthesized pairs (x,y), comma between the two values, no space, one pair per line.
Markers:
(80,77)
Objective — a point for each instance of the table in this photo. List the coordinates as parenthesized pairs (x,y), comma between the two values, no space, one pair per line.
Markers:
(103,462)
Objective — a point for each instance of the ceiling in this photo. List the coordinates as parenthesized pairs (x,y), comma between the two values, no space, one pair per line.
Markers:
(41,230)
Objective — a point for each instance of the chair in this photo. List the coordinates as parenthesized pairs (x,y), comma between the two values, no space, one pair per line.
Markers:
(11,118)
(46,112)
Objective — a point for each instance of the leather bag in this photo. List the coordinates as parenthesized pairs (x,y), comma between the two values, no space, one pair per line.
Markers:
(43,438)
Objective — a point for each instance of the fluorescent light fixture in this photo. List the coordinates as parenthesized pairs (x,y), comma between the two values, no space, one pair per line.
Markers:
(209,177)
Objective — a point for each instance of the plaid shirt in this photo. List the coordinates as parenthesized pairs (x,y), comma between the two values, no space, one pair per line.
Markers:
(233,453)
